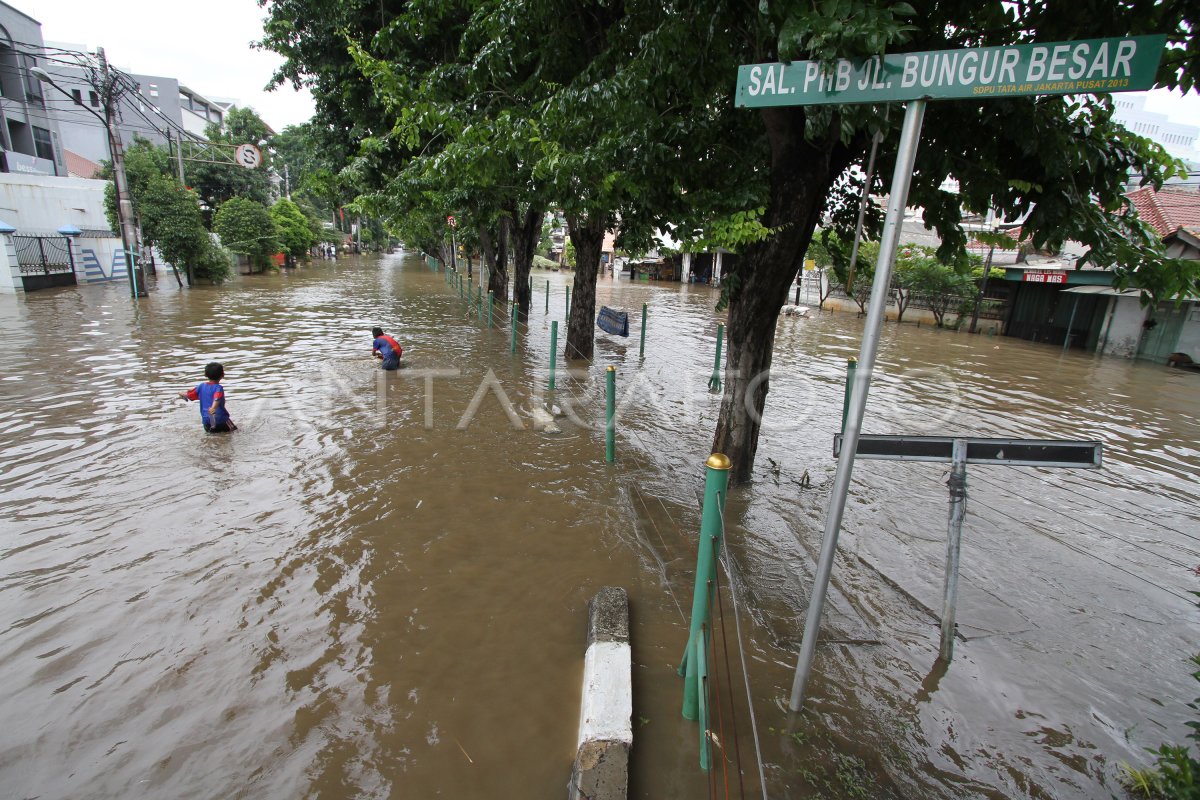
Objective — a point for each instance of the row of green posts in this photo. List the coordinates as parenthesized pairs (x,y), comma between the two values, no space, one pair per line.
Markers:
(693,667)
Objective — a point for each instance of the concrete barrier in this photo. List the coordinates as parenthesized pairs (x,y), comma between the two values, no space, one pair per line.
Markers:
(601,770)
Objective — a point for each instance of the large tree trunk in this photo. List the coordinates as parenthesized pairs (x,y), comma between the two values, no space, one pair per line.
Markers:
(587,234)
(801,174)
(526,227)
(497,262)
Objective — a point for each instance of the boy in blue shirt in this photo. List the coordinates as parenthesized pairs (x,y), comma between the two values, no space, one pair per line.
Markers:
(212,401)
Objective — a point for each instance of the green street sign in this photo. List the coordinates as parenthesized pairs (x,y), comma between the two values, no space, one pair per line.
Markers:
(1084,66)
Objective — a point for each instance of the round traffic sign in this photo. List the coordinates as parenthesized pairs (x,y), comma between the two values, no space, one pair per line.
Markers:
(249,156)
(453,222)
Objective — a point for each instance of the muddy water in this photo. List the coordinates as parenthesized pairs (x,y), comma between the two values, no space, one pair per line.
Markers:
(340,600)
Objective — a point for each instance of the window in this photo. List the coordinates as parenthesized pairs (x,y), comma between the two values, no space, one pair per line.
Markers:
(94,99)
(42,144)
(77,96)
(154,90)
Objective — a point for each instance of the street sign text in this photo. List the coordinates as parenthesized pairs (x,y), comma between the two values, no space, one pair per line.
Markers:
(1083,66)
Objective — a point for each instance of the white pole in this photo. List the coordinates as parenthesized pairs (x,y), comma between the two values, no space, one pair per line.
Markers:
(958,509)
(910,136)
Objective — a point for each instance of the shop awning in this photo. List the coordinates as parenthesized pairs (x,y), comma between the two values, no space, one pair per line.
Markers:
(1108,290)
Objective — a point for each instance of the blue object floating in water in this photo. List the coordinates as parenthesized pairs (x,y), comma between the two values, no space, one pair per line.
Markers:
(614,322)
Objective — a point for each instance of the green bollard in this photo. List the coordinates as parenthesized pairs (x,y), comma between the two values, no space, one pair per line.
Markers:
(702,698)
(513,347)
(553,349)
(851,366)
(490,299)
(714,383)
(715,483)
(547,297)
(568,302)
(479,302)
(642,347)
(610,418)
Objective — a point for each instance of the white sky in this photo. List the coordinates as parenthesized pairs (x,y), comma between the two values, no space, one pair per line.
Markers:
(205,45)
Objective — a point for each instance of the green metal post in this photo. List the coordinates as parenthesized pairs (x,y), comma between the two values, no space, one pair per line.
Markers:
(610,416)
(714,382)
(490,298)
(702,697)
(568,302)
(642,347)
(851,366)
(479,302)
(553,349)
(469,295)
(547,297)
(460,285)
(715,483)
(513,346)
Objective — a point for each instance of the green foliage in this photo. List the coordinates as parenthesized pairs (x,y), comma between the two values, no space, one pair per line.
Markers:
(944,287)
(216,183)
(246,227)
(213,263)
(295,234)
(569,254)
(1176,771)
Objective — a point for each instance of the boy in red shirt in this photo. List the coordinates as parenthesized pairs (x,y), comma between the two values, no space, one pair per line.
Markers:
(386,348)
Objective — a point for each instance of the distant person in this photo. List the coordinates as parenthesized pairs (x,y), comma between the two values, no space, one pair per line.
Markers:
(387,349)
(212,400)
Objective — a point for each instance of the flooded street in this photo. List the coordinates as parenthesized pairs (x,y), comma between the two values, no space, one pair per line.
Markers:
(341,600)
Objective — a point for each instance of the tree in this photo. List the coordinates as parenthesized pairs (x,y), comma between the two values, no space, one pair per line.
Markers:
(168,215)
(510,105)
(246,227)
(295,233)
(1065,164)
(216,183)
(912,265)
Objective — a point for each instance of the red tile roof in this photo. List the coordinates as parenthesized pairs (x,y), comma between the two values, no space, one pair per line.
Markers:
(79,166)
(1166,211)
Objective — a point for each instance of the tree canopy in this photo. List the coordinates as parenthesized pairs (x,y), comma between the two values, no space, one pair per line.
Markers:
(216,183)
(246,227)
(622,115)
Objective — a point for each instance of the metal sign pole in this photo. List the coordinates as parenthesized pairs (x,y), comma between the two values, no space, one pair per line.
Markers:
(910,136)
(958,510)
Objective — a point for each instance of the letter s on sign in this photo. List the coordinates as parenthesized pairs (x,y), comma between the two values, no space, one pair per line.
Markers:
(755,81)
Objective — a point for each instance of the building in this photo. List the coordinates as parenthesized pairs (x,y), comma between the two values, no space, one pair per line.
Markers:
(149,107)
(1178,139)
(29,133)
(1052,302)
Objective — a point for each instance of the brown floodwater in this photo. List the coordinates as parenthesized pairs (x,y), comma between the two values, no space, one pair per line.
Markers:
(341,600)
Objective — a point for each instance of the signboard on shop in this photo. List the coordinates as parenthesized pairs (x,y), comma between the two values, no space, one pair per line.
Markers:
(1044,276)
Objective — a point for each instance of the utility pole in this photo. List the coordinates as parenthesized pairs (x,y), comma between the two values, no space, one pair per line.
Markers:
(987,270)
(287,186)
(179,158)
(137,277)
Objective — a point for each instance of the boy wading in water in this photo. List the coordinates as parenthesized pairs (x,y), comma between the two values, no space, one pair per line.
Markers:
(387,349)
(212,401)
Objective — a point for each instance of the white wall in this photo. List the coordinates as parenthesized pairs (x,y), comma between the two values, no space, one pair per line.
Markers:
(1125,329)
(1189,337)
(39,205)
(10,274)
